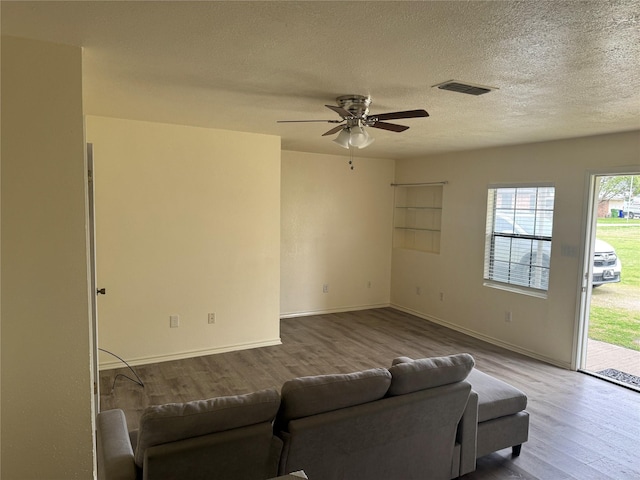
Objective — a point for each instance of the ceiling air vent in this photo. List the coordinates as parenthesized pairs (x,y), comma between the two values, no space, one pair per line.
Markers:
(461,87)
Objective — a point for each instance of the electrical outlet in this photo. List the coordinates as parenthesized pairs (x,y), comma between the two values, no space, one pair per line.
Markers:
(369,284)
(211,318)
(174,321)
(507,316)
(442,296)
(418,290)
(325,288)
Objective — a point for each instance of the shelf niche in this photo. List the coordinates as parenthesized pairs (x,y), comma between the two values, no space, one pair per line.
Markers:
(417,217)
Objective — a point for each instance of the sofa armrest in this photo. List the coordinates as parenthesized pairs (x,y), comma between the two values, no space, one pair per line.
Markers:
(115,455)
(467,435)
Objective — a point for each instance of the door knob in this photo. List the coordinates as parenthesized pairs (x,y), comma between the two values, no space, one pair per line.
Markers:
(101,291)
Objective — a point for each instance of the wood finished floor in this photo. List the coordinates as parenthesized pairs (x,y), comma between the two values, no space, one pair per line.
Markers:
(580,428)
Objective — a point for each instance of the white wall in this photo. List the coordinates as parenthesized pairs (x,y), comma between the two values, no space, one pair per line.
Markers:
(540,327)
(188,223)
(46,379)
(336,230)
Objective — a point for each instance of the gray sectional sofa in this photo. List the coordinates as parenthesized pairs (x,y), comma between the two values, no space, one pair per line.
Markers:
(428,418)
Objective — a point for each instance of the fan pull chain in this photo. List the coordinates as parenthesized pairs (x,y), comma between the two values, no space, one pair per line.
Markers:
(351,158)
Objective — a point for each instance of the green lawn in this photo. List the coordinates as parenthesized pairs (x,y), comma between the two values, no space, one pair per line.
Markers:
(618,221)
(615,308)
(615,326)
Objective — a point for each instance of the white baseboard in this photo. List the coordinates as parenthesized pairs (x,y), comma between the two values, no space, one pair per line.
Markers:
(484,338)
(352,308)
(189,354)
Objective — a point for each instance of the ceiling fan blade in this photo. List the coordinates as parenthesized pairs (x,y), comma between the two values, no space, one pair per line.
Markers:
(340,111)
(397,115)
(333,130)
(392,127)
(308,121)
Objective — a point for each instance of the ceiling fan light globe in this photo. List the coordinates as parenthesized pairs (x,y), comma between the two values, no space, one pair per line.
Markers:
(343,138)
(369,141)
(358,137)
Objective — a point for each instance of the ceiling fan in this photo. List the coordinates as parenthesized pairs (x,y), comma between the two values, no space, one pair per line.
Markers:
(354,110)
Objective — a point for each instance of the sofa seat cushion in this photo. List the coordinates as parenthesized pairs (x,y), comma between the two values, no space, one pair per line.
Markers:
(160,424)
(495,397)
(306,396)
(414,375)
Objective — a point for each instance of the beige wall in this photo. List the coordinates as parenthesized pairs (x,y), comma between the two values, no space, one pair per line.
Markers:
(46,379)
(540,327)
(188,223)
(336,230)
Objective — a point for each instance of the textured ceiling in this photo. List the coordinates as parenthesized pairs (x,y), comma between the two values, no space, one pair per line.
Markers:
(562,68)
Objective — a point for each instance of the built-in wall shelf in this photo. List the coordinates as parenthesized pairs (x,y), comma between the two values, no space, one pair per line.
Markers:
(418,217)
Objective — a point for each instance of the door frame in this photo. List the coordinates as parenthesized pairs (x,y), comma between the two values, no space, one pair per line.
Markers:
(93,278)
(589,225)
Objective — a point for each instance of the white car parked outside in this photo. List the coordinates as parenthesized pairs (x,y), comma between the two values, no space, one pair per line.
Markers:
(607,267)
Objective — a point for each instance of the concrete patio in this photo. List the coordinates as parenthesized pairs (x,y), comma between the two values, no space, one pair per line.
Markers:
(601,355)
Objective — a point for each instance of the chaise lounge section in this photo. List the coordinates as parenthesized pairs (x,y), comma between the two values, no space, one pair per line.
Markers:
(502,419)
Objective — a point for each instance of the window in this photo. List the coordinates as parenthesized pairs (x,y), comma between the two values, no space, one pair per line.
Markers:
(518,240)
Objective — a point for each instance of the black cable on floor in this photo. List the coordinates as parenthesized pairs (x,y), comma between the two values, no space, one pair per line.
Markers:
(139,381)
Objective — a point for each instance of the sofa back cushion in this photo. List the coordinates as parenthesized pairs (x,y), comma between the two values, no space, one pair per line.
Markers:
(172,422)
(306,396)
(400,437)
(414,375)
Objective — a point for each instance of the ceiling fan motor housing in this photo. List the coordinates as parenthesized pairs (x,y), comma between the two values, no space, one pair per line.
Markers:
(357,105)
